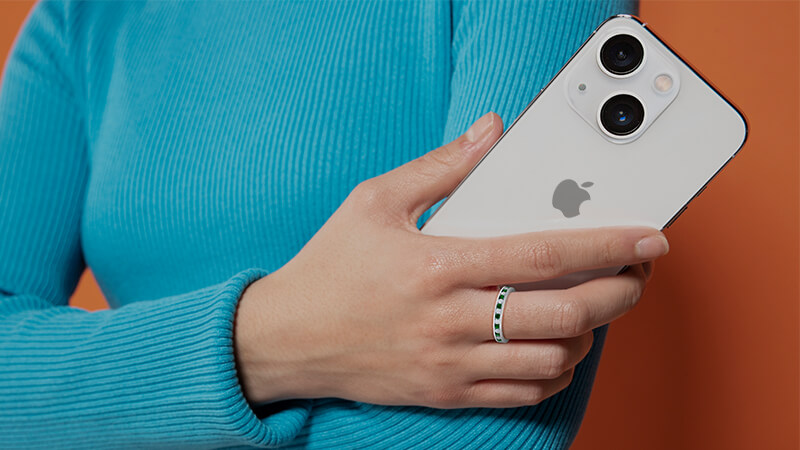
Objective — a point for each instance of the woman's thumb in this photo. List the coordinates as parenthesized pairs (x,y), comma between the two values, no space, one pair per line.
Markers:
(424,181)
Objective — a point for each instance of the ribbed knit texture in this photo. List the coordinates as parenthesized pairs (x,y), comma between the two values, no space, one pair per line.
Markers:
(182,150)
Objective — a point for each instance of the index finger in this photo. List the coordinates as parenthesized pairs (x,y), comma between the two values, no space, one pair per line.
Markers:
(545,255)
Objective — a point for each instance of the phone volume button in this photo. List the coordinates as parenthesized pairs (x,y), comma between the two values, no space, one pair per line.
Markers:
(675,217)
(701,190)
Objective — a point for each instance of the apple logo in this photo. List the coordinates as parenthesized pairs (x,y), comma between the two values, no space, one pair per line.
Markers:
(568,197)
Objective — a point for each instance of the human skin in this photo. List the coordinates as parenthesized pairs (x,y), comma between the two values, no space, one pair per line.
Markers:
(372,310)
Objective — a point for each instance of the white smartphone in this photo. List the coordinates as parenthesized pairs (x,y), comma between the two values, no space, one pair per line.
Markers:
(627,133)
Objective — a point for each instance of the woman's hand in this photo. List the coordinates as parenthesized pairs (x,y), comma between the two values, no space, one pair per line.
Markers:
(373,310)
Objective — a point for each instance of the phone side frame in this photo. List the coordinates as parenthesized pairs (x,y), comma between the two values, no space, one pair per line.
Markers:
(716,91)
(586,41)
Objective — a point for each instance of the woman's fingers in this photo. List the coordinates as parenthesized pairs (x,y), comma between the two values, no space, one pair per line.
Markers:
(422,182)
(543,255)
(550,332)
(574,311)
(648,267)
(527,360)
(504,393)
(555,314)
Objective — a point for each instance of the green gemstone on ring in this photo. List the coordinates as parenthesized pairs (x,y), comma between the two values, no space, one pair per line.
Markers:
(501,296)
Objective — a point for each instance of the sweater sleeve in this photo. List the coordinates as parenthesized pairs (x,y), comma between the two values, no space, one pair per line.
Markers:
(503,52)
(158,373)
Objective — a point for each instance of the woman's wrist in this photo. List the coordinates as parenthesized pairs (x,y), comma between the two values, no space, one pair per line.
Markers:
(269,370)
(249,342)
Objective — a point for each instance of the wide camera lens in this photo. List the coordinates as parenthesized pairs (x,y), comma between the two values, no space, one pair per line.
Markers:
(621,54)
(622,114)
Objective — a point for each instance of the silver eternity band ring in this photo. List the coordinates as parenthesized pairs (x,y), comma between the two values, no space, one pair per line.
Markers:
(497,315)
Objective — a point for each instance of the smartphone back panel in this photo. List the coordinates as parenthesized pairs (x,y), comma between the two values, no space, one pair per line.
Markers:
(689,133)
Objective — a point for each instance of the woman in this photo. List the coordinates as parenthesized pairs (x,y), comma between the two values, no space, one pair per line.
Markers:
(188,152)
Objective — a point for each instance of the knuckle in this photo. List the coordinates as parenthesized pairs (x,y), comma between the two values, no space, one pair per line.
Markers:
(447,330)
(444,397)
(434,269)
(633,294)
(534,394)
(608,252)
(568,377)
(571,318)
(587,342)
(430,337)
(423,167)
(367,195)
(431,164)
(439,327)
(557,362)
(516,361)
(442,156)
(546,260)
(438,364)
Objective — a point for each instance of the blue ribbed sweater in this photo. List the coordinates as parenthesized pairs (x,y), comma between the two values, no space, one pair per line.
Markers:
(181,150)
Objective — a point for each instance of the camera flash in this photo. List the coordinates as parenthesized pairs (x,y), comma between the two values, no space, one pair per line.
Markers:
(663,83)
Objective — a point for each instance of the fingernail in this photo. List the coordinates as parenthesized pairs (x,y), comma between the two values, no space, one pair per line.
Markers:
(480,128)
(652,247)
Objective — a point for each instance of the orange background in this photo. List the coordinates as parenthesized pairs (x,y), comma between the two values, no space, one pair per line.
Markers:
(710,358)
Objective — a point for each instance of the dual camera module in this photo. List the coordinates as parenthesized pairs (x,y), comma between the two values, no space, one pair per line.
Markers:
(621,82)
(620,56)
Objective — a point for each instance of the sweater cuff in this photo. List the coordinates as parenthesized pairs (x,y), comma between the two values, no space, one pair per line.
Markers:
(232,410)
(158,373)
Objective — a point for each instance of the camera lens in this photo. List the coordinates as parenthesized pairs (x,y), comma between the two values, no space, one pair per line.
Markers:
(622,114)
(621,54)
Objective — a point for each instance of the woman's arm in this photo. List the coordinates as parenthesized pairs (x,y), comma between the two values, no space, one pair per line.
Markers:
(153,373)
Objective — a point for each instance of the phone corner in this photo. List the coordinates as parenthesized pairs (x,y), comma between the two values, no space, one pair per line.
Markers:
(627,16)
(745,127)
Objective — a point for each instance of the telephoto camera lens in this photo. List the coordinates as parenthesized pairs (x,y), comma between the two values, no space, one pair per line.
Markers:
(622,114)
(621,54)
